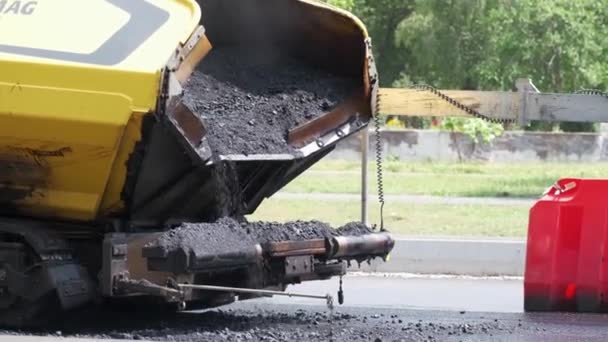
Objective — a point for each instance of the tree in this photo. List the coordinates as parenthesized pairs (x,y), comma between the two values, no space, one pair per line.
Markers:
(447,39)
(560,44)
(382,17)
(488,44)
(344,4)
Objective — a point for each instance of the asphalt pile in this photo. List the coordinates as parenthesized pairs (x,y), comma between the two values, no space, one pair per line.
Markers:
(228,234)
(224,236)
(250,97)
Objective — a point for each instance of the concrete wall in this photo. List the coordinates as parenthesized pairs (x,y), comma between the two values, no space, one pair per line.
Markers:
(432,145)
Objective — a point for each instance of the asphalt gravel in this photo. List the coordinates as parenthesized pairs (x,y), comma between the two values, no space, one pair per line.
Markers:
(250,97)
(274,323)
(228,235)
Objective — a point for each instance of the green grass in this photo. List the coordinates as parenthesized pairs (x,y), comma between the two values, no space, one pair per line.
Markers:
(425,178)
(446,179)
(406,218)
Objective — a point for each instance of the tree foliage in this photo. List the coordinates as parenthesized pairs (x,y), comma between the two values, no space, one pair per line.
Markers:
(446,39)
(488,44)
(477,129)
(345,4)
(560,44)
(382,17)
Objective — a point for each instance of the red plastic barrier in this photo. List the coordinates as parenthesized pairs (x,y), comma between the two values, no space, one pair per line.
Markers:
(567,246)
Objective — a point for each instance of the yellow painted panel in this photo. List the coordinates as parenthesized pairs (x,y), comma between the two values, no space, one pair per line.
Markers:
(69,178)
(417,102)
(62,205)
(57,148)
(68,94)
(128,35)
(414,102)
(49,114)
(140,88)
(155,53)
(86,32)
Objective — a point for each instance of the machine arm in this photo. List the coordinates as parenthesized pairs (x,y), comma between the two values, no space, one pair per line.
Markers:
(522,106)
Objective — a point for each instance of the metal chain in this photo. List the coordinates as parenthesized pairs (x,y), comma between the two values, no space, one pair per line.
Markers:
(591,92)
(477,114)
(459,105)
(379,166)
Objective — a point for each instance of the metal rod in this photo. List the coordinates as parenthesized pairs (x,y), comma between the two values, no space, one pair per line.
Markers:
(256,291)
(364,174)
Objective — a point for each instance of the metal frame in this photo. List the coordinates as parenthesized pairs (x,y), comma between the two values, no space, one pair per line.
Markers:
(525,105)
(364,175)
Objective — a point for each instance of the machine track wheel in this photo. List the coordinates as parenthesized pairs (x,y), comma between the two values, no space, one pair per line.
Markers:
(39,279)
(20,304)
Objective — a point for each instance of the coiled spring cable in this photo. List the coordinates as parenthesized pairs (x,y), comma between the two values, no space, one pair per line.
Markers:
(379,168)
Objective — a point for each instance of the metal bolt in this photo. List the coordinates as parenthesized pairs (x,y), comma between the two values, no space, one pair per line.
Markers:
(181,306)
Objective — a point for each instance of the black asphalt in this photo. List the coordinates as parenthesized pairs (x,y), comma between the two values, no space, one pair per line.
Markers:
(272,322)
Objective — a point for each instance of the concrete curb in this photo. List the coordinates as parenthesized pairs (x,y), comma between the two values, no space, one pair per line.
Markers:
(447,256)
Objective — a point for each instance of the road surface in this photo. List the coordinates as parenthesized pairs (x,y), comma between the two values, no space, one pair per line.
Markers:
(420,292)
(396,308)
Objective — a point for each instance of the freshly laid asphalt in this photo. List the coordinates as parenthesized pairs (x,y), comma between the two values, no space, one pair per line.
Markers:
(394,307)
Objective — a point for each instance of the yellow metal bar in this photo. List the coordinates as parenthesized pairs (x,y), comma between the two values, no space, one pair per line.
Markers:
(415,102)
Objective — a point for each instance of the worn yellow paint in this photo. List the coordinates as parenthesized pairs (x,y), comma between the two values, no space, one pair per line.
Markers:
(85,128)
(415,102)
(412,102)
(67,128)
(82,26)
